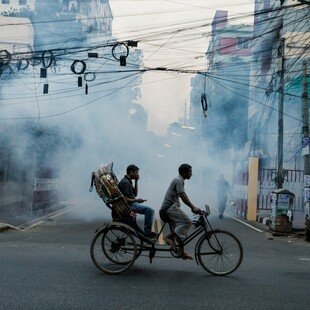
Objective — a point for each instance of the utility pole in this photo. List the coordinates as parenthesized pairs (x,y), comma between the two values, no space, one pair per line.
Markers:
(280,174)
(305,135)
(185,113)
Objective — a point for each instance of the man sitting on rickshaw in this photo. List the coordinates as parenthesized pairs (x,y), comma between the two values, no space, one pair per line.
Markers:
(130,192)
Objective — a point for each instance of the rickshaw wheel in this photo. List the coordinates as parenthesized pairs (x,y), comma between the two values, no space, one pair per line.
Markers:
(114,249)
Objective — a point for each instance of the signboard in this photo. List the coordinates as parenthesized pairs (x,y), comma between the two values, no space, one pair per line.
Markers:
(305,146)
(307,208)
(307,194)
(306,180)
(284,199)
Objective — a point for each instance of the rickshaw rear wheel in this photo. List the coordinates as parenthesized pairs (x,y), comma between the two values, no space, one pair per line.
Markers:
(113,249)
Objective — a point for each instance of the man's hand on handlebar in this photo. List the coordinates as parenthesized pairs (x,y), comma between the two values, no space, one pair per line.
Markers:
(196,210)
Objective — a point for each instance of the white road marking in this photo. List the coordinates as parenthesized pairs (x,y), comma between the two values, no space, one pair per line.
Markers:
(246,224)
(35,224)
(305,258)
(65,211)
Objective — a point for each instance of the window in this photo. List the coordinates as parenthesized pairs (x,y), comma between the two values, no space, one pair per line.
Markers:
(22,2)
(5,1)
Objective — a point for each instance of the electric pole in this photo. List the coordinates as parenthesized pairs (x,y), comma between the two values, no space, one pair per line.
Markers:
(185,113)
(305,135)
(280,174)
(305,114)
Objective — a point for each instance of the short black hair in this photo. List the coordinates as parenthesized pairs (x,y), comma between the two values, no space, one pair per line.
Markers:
(184,168)
(132,168)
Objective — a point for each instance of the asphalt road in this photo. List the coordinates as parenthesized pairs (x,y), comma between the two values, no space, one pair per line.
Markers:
(48,266)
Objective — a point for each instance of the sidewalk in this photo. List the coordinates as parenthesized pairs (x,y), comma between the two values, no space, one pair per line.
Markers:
(24,220)
(264,222)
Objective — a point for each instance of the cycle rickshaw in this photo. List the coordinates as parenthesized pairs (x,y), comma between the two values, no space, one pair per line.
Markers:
(117,246)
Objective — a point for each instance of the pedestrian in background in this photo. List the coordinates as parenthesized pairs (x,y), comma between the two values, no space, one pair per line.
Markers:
(222,194)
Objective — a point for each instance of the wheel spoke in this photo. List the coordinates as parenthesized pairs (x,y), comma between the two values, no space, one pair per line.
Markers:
(220,253)
(114,249)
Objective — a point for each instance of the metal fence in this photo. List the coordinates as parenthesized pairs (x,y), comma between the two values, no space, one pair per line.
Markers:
(293,182)
(241,194)
(45,192)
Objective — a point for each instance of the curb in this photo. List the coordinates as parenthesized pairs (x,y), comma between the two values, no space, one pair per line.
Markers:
(267,222)
(3,227)
(263,220)
(45,217)
(22,227)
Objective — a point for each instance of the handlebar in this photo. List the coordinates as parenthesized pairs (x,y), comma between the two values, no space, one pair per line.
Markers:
(207,209)
(205,212)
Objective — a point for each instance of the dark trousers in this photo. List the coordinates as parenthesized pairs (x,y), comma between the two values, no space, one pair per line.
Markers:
(222,204)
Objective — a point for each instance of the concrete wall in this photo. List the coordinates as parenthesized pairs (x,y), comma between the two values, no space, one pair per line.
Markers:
(15,199)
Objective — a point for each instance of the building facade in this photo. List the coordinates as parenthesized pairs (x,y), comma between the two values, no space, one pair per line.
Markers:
(33,149)
(226,84)
(279,47)
(7,6)
(272,26)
